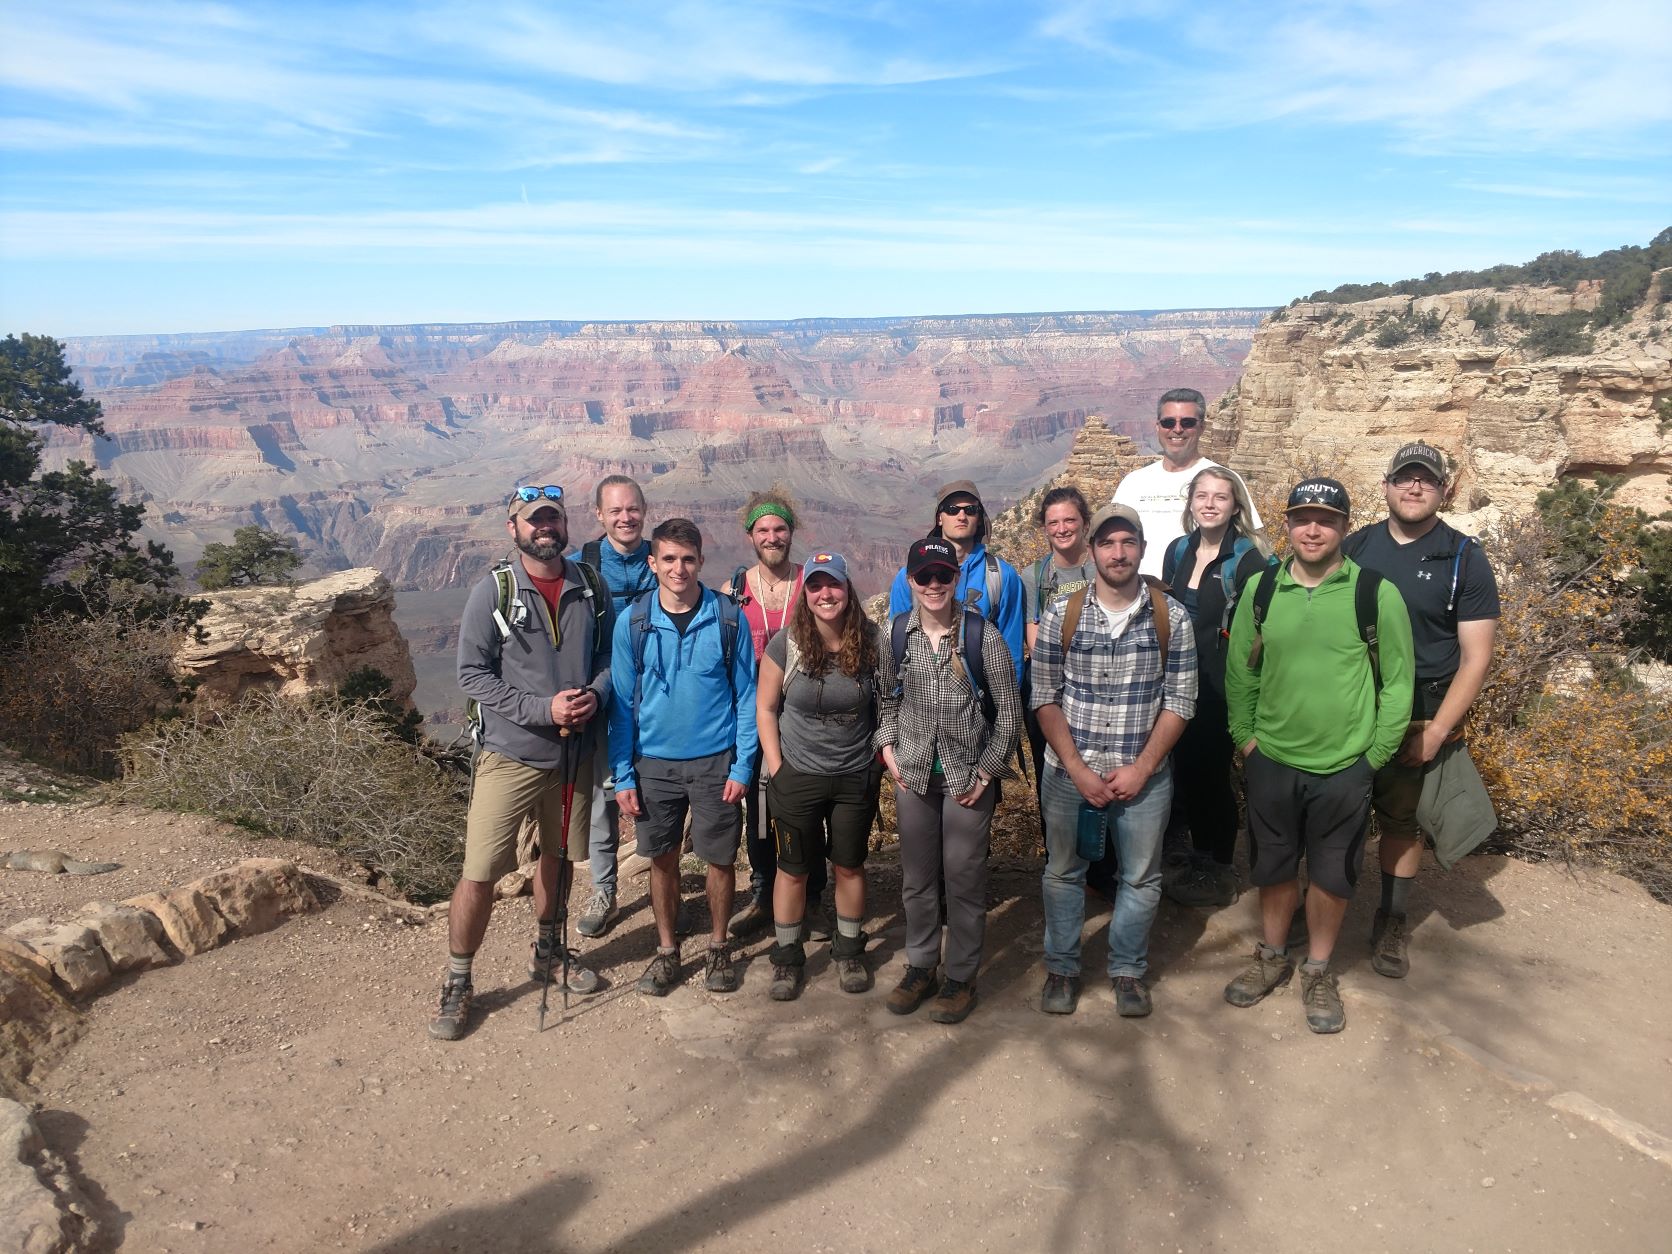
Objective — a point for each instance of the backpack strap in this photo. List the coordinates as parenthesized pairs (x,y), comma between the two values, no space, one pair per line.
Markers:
(1263,592)
(505,591)
(995,584)
(592,553)
(1364,609)
(1071,611)
(1463,544)
(897,648)
(1172,557)
(1163,621)
(740,585)
(1039,585)
(975,666)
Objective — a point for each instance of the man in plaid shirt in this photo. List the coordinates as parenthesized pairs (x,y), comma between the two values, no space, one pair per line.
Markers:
(1112,704)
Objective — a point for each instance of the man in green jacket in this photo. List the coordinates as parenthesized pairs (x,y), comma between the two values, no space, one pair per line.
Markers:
(1319,694)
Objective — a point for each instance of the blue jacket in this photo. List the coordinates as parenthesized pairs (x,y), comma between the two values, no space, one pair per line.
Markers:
(625,575)
(687,707)
(972,576)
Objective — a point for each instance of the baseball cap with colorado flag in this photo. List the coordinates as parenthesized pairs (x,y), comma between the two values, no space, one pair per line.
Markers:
(825,563)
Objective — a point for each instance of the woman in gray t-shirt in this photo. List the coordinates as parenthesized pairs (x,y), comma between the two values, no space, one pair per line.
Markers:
(815,706)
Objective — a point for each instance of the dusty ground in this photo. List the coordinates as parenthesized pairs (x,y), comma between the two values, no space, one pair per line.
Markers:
(281,1093)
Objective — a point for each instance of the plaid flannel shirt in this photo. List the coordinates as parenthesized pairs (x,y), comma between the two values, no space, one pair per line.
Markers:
(1112,690)
(935,712)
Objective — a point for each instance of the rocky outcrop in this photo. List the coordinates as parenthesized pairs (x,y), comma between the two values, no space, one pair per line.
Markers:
(298,640)
(37,1022)
(1325,385)
(42,1207)
(1099,460)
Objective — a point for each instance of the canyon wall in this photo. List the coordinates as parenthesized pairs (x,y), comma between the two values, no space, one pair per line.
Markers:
(1318,391)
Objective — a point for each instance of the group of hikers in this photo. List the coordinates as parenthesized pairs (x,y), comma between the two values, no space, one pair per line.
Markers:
(1155,643)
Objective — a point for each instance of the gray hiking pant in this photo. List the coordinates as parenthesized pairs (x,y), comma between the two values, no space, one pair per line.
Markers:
(939,837)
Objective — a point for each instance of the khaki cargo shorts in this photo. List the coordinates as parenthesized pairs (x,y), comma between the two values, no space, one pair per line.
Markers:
(511,805)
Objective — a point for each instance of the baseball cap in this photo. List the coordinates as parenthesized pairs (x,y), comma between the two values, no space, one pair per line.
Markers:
(929,552)
(1113,512)
(958,487)
(1419,454)
(1320,494)
(832,564)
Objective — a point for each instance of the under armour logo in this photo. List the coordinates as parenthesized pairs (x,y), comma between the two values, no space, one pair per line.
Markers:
(1425,574)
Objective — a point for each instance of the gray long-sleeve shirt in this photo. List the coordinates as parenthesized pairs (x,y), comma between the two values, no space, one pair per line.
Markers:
(514,678)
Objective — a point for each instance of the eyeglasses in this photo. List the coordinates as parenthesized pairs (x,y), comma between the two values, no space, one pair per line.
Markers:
(963,507)
(550,492)
(924,578)
(1167,424)
(1422,481)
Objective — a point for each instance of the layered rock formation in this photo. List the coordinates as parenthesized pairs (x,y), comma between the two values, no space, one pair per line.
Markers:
(298,640)
(1317,390)
(394,446)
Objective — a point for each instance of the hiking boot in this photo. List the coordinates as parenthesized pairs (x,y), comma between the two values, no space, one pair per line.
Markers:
(720,976)
(953,1003)
(916,986)
(581,979)
(757,918)
(1205,884)
(661,977)
(1132,999)
(1388,944)
(852,975)
(599,914)
(1322,999)
(816,923)
(1060,994)
(454,1014)
(786,981)
(1268,970)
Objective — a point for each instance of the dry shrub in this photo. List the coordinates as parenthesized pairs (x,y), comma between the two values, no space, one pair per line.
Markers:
(324,771)
(70,687)
(1575,754)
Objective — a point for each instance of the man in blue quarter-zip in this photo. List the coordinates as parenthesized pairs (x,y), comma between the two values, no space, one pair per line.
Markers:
(534,660)
(621,556)
(683,740)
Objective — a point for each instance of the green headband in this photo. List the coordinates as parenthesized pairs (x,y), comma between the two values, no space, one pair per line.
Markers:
(768,507)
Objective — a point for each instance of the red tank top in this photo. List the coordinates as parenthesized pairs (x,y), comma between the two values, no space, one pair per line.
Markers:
(763,626)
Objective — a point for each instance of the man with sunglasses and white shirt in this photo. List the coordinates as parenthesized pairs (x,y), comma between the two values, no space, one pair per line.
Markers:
(534,655)
(1157,491)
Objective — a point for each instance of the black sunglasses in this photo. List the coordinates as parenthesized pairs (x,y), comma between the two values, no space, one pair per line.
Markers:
(551,492)
(963,507)
(924,578)
(1167,424)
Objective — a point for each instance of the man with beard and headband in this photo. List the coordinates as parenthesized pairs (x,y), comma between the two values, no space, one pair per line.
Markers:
(534,658)
(764,593)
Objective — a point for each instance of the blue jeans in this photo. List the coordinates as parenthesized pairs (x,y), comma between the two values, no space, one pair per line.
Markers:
(1136,827)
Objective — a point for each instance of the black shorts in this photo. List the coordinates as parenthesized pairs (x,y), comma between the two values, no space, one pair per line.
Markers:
(818,816)
(1291,811)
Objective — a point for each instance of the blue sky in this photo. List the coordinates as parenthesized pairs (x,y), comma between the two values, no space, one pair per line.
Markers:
(188,166)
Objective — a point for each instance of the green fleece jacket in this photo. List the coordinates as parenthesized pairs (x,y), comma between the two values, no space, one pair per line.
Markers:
(1312,704)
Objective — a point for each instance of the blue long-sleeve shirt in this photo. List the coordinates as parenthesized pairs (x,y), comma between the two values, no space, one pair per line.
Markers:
(687,708)
(626,575)
(972,577)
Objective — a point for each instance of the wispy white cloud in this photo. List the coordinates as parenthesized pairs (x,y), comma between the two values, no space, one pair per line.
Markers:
(1461,75)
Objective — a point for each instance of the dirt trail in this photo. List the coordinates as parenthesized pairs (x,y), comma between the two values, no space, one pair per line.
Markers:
(281,1092)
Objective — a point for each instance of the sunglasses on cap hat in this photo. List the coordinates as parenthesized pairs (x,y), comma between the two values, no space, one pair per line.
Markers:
(550,492)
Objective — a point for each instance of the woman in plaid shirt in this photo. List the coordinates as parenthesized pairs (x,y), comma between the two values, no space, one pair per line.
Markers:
(945,758)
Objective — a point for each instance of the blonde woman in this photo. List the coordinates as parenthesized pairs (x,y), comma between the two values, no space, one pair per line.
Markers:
(1206,569)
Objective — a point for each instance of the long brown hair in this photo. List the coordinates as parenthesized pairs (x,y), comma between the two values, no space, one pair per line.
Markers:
(858,656)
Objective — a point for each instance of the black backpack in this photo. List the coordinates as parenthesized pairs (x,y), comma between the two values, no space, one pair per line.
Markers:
(1365,592)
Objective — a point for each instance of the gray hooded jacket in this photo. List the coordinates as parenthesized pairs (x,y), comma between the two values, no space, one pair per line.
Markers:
(515,678)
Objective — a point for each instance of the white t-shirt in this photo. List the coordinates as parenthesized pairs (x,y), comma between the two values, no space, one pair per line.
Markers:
(1158,495)
(1119,620)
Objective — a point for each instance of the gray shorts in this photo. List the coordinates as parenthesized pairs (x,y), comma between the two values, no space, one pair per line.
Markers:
(669,789)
